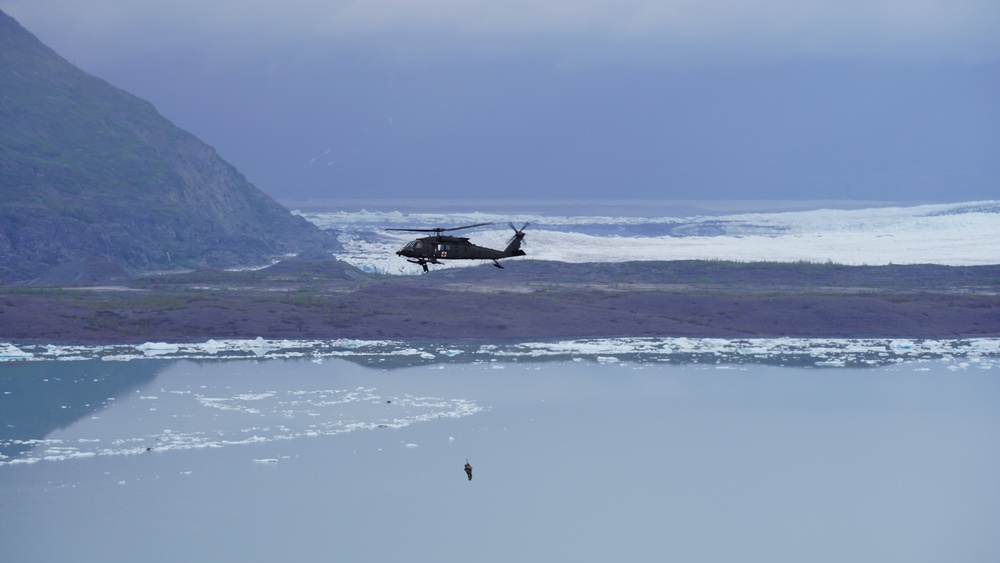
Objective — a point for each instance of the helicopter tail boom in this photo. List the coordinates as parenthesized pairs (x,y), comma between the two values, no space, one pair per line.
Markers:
(514,248)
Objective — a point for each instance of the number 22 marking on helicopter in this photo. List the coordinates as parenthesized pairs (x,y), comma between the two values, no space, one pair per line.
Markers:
(432,249)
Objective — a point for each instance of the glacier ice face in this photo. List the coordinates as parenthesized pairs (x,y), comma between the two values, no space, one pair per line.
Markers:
(958,234)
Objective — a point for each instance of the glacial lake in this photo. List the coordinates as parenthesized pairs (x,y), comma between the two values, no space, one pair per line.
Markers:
(575,456)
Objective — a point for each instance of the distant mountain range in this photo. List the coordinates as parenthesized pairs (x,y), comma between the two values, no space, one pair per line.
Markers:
(90,171)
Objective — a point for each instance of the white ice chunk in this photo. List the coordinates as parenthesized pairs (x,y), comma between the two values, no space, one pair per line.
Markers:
(157,348)
(11,352)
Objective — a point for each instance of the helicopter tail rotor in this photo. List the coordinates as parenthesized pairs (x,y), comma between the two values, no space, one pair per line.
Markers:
(518,233)
(514,244)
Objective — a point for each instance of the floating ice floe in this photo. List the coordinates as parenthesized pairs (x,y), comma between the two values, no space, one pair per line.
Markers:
(157,348)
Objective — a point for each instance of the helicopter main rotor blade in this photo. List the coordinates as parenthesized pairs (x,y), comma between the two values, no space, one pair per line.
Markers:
(440,230)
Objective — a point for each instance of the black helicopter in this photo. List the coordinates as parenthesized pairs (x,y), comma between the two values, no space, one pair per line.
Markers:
(429,250)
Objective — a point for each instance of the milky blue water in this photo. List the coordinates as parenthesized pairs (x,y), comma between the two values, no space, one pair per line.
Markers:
(327,459)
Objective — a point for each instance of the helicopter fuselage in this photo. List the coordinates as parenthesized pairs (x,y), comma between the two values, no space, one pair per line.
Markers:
(437,248)
(433,249)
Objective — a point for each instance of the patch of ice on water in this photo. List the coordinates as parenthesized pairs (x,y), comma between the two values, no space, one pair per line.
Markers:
(240,417)
(254,396)
(157,348)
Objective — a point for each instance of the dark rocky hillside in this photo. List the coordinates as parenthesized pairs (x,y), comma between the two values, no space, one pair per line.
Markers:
(88,170)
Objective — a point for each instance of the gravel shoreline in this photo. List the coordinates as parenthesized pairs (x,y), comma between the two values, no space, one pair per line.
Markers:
(529,301)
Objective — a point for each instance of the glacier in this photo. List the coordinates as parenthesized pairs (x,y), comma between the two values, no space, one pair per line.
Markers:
(953,234)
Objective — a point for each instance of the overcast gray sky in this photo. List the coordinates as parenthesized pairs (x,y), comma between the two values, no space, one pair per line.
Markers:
(872,99)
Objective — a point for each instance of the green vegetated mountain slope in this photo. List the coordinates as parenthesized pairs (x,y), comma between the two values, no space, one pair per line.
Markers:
(88,170)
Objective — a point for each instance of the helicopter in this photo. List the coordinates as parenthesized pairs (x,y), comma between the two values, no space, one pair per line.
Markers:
(429,250)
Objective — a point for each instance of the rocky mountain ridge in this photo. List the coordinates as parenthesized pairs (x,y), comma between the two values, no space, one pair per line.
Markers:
(89,170)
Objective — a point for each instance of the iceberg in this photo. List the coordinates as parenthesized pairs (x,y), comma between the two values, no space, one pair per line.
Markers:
(11,352)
